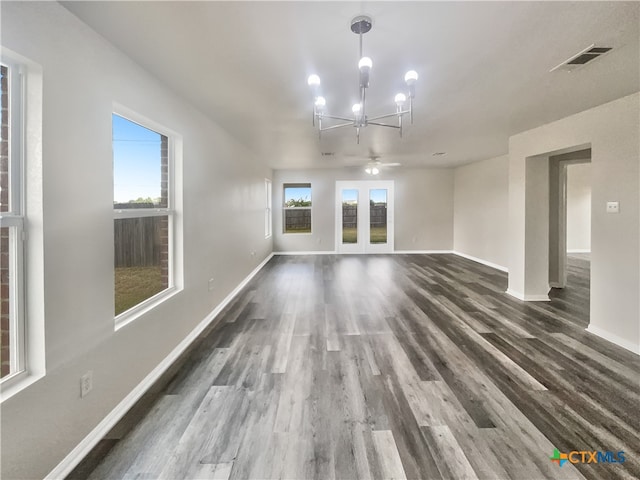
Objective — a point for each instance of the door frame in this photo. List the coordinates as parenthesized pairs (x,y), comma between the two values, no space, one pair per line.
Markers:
(558,213)
(363,246)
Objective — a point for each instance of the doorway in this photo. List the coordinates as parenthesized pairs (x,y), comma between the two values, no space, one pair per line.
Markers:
(564,231)
(364,216)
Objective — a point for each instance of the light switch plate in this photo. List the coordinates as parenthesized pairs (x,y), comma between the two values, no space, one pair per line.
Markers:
(613,207)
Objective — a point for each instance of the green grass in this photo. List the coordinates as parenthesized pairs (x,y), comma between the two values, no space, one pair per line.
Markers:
(377,235)
(298,230)
(349,235)
(136,284)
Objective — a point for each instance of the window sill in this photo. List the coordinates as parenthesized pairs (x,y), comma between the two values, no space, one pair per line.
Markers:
(142,308)
(17,382)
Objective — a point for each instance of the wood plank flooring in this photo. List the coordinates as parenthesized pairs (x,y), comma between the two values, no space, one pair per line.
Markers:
(392,366)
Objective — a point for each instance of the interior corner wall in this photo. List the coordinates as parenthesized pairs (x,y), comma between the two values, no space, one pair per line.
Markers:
(481,196)
(223,201)
(612,130)
(579,207)
(423,208)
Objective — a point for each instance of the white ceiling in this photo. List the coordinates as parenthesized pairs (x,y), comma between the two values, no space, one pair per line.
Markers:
(484,69)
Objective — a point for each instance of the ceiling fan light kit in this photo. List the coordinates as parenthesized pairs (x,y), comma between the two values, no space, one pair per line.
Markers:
(361,25)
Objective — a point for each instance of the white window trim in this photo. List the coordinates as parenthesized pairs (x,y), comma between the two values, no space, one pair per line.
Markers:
(285,208)
(31,257)
(14,219)
(268,225)
(173,139)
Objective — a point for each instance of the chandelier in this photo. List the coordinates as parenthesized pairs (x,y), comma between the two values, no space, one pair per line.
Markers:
(361,25)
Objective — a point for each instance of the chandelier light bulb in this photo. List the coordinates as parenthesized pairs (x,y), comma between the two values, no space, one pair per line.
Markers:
(410,77)
(362,116)
(368,170)
(375,171)
(313,80)
(365,63)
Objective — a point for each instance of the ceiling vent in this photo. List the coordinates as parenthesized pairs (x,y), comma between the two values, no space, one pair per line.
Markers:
(582,57)
(327,154)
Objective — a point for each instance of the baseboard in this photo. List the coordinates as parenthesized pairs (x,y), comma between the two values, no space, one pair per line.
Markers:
(579,250)
(66,466)
(483,262)
(422,252)
(312,252)
(610,337)
(528,298)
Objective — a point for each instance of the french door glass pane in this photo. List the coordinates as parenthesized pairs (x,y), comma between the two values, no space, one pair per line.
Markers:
(378,215)
(350,216)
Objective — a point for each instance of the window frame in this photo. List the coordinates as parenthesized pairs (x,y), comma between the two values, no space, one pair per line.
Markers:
(268,213)
(169,211)
(285,208)
(14,219)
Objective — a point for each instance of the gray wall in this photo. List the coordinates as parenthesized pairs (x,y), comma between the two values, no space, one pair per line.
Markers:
(612,131)
(480,210)
(579,207)
(222,212)
(423,208)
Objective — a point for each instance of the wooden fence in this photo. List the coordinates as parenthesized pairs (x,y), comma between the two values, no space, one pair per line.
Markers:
(139,241)
(297,220)
(377,215)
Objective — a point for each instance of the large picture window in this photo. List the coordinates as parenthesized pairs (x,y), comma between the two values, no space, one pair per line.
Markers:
(143,215)
(12,343)
(297,208)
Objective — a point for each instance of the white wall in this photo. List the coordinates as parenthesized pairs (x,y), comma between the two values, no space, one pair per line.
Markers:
(612,131)
(480,210)
(423,208)
(222,214)
(579,207)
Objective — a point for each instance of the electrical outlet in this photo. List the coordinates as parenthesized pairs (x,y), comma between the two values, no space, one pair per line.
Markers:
(211,284)
(86,384)
(613,207)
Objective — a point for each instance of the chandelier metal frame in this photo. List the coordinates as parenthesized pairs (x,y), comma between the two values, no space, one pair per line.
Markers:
(361,25)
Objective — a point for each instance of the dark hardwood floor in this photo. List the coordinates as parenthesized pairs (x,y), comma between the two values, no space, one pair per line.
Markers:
(390,366)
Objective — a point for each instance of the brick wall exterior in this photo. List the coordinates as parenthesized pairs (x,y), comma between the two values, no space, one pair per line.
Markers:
(5,366)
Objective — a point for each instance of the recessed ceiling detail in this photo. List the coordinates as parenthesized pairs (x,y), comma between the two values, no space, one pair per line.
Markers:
(582,57)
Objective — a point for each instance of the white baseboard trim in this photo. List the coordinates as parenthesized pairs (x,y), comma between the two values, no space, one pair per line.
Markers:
(483,262)
(66,466)
(528,298)
(421,252)
(610,337)
(311,252)
(579,250)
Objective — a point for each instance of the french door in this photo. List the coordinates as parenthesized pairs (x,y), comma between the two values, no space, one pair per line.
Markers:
(364,216)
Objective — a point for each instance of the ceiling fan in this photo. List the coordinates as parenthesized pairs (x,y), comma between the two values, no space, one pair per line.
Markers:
(374,165)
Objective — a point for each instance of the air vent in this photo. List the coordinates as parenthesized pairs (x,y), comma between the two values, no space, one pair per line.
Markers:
(584,56)
(327,154)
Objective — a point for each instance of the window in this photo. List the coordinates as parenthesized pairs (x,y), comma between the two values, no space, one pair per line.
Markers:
(143,216)
(11,225)
(297,208)
(268,220)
